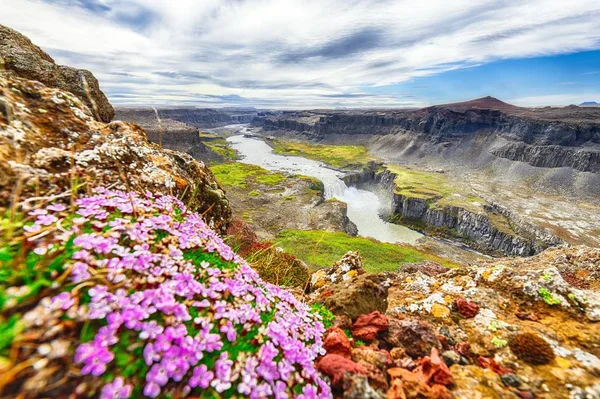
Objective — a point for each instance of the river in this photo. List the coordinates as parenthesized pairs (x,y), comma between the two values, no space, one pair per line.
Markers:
(364,206)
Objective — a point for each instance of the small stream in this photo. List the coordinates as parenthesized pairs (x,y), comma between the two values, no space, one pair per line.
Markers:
(364,206)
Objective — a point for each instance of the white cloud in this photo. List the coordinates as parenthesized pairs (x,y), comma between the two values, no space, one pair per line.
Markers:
(292,53)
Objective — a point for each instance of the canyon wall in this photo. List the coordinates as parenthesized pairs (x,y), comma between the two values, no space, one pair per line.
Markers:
(495,230)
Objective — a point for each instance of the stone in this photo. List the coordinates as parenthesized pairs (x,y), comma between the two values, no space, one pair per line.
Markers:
(358,387)
(368,326)
(334,366)
(365,294)
(412,385)
(466,308)
(336,342)
(510,380)
(66,143)
(428,268)
(24,59)
(415,336)
(450,358)
(376,377)
(434,369)
(377,357)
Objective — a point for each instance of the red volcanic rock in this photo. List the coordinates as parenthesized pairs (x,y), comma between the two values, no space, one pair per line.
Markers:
(414,335)
(412,385)
(337,343)
(527,316)
(435,370)
(489,363)
(466,308)
(367,326)
(463,349)
(334,366)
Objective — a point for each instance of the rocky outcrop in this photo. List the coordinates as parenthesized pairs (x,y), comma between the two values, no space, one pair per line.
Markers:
(48,138)
(198,117)
(22,58)
(502,328)
(494,230)
(551,156)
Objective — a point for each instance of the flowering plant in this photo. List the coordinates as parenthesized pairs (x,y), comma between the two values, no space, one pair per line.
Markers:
(167,308)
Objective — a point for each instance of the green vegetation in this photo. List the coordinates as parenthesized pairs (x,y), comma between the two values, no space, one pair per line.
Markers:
(254,193)
(499,343)
(238,174)
(327,317)
(321,249)
(433,187)
(548,297)
(338,156)
(221,147)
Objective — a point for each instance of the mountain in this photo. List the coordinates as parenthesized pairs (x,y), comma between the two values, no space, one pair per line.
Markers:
(589,104)
(480,103)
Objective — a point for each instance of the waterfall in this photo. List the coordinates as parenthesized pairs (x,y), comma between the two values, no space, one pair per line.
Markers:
(363,206)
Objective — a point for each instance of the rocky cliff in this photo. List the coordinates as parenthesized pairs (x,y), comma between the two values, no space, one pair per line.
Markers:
(492,230)
(198,117)
(21,58)
(550,138)
(49,139)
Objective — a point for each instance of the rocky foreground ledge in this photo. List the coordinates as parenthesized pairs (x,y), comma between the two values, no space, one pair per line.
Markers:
(509,328)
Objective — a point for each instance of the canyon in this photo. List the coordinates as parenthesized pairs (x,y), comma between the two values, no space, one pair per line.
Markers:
(527,165)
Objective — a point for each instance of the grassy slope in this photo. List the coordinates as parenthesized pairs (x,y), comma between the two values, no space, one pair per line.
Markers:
(237,174)
(322,249)
(338,156)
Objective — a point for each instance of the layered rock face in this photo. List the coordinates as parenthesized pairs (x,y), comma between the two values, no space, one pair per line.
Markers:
(543,138)
(493,230)
(197,117)
(24,59)
(49,139)
(504,328)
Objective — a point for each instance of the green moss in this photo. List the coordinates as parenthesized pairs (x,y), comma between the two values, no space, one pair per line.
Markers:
(499,343)
(338,156)
(289,198)
(254,193)
(321,249)
(239,174)
(548,297)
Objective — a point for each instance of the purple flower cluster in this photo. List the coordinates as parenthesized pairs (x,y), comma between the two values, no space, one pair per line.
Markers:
(207,325)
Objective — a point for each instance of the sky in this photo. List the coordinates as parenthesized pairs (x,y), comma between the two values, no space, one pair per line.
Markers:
(322,53)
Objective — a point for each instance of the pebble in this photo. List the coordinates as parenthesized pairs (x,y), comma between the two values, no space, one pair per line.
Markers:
(510,380)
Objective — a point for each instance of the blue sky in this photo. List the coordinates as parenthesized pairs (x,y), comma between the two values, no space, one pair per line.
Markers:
(322,53)
(571,78)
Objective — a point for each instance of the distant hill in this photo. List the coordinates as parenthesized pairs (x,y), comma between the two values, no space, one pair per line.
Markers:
(589,104)
(481,103)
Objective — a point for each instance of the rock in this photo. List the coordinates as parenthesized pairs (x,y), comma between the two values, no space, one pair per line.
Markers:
(24,59)
(466,308)
(450,358)
(429,268)
(367,326)
(357,387)
(376,357)
(50,139)
(334,366)
(344,270)
(510,380)
(376,377)
(434,369)
(411,385)
(364,295)
(337,343)
(415,336)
